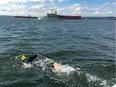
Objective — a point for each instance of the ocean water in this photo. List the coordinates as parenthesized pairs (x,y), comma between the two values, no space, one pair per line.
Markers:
(84,48)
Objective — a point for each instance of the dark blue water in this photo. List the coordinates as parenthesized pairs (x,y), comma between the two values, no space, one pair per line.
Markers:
(85,44)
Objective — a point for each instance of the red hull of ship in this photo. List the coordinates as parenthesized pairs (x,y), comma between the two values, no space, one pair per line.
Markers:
(69,17)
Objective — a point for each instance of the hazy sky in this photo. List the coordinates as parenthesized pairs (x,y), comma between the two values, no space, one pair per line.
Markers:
(65,7)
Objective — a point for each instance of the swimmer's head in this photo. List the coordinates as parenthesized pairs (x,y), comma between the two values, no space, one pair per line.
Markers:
(23,58)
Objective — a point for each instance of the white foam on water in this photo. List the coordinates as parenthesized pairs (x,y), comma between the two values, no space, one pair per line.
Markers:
(64,69)
(91,78)
(44,64)
(25,65)
(104,83)
(114,85)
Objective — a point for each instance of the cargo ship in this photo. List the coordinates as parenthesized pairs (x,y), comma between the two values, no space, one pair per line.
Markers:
(54,14)
(25,17)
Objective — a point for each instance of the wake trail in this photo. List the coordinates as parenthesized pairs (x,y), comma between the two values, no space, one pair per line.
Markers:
(66,72)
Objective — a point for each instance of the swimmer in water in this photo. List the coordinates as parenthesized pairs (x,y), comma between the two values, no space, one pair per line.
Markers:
(30,59)
(55,65)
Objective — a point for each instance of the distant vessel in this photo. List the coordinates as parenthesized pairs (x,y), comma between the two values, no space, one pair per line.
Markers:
(54,14)
(25,17)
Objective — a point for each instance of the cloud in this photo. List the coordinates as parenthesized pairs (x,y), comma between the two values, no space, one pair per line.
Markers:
(14,8)
(40,1)
(12,1)
(4,1)
(106,9)
(37,9)
(22,7)
(106,6)
(23,1)
(75,7)
(42,7)
(61,0)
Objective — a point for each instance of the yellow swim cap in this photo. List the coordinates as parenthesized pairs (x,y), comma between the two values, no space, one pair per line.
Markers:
(23,57)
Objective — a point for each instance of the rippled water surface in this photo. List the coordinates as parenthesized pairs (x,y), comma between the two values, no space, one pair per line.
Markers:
(87,46)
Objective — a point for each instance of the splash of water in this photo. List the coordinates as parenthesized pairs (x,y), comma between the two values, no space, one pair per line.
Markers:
(67,73)
(25,65)
(44,64)
(114,85)
(102,82)
(64,69)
